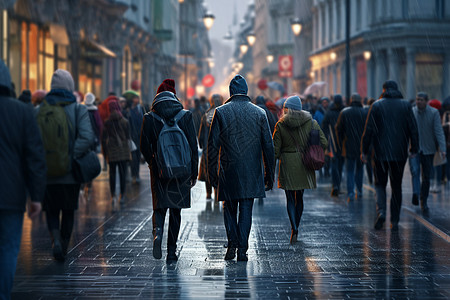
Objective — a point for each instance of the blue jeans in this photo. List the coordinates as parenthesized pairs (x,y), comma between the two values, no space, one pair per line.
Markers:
(355,173)
(10,236)
(238,232)
(337,163)
(422,163)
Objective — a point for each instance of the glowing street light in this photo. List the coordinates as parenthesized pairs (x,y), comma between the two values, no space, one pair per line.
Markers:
(333,55)
(269,58)
(367,55)
(251,38)
(208,20)
(296,26)
(244,48)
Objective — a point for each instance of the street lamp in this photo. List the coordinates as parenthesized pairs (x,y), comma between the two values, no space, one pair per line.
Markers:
(251,38)
(296,26)
(367,55)
(180,1)
(269,58)
(208,20)
(244,48)
(333,55)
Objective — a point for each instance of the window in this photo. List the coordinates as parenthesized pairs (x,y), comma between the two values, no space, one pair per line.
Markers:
(358,15)
(440,9)
(330,22)
(338,20)
(323,28)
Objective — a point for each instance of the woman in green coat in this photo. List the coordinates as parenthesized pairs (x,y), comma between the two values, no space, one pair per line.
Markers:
(294,128)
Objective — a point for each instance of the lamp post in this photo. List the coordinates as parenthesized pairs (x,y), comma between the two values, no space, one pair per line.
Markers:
(251,38)
(208,20)
(244,48)
(296,26)
(269,58)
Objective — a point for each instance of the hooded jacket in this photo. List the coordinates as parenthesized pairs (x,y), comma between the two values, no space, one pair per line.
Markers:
(22,156)
(78,116)
(240,150)
(293,175)
(168,193)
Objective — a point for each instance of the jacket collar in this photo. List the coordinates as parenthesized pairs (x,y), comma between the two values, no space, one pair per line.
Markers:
(238,97)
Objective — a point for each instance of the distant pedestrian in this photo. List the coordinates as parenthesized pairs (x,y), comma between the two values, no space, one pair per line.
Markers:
(239,143)
(261,102)
(74,139)
(337,161)
(391,128)
(292,132)
(349,130)
(116,149)
(23,169)
(168,192)
(37,97)
(25,97)
(216,100)
(319,115)
(136,116)
(197,114)
(446,127)
(431,140)
(97,127)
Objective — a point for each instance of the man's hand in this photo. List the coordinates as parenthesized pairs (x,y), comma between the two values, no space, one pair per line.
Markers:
(193,182)
(363,158)
(33,209)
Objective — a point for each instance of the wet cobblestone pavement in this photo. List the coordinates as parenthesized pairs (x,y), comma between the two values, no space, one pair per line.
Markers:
(339,254)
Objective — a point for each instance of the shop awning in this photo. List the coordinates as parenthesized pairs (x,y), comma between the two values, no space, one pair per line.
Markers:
(103,49)
(59,35)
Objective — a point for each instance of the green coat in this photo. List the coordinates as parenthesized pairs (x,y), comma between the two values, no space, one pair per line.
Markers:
(293,175)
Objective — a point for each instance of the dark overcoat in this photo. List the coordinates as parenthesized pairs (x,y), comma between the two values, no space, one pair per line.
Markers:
(240,150)
(168,193)
(349,129)
(391,127)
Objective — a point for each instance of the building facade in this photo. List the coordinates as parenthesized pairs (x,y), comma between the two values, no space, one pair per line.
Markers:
(406,41)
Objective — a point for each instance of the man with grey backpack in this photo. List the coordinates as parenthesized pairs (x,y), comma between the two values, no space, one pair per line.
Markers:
(169,145)
(67,134)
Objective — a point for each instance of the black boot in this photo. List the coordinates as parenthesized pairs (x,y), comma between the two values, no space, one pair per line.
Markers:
(58,253)
(231,253)
(171,255)
(157,239)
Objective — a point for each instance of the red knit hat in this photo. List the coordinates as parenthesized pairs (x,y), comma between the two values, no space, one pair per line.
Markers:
(435,103)
(167,85)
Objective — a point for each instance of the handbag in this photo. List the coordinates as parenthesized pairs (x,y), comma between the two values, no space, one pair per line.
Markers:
(86,167)
(313,156)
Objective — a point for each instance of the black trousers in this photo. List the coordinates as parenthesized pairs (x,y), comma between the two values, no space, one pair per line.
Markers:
(122,165)
(393,169)
(238,228)
(294,206)
(159,215)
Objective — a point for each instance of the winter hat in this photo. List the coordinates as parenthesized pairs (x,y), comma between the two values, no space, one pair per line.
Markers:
(435,103)
(356,97)
(25,97)
(5,77)
(293,102)
(390,85)
(167,85)
(89,99)
(62,79)
(238,85)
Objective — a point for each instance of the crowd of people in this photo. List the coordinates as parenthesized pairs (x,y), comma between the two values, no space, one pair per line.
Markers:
(240,139)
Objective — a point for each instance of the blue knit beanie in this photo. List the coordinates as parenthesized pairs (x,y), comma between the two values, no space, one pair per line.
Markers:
(293,102)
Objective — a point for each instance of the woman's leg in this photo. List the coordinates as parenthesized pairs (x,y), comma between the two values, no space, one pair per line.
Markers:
(298,207)
(122,176)
(67,220)
(291,209)
(112,178)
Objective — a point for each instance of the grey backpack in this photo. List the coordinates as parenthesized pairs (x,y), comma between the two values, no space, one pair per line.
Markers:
(173,153)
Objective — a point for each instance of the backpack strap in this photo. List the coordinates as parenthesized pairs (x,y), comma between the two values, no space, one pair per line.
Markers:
(177,117)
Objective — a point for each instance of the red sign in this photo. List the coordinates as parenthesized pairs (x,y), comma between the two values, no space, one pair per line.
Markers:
(208,81)
(285,63)
(190,92)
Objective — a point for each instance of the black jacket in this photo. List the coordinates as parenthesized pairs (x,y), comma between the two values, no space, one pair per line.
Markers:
(349,129)
(391,127)
(260,102)
(239,143)
(22,156)
(168,193)
(328,125)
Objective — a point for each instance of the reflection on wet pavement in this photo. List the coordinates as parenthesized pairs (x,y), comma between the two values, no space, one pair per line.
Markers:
(338,255)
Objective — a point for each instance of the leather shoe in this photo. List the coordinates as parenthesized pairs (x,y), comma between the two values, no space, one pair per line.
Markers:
(415,199)
(379,223)
(171,257)
(231,253)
